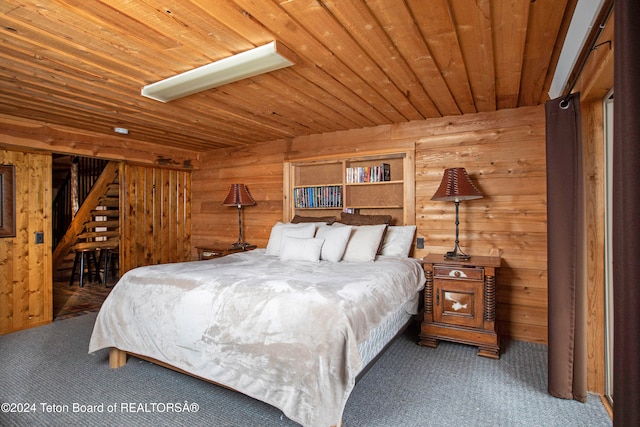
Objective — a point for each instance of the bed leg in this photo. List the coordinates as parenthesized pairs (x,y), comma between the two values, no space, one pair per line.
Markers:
(117,358)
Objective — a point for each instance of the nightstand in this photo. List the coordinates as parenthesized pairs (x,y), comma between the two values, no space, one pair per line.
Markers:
(217,251)
(460,303)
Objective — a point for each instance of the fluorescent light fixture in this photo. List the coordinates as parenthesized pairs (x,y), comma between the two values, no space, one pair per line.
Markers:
(583,19)
(259,60)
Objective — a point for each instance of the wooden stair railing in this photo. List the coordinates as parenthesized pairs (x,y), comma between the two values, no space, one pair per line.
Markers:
(76,231)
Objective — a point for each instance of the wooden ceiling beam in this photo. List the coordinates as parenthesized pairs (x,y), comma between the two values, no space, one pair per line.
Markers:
(317,86)
(438,30)
(88,111)
(545,20)
(472,20)
(420,76)
(337,110)
(341,39)
(286,29)
(32,135)
(509,37)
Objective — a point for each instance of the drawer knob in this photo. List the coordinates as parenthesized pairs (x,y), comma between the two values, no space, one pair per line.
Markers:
(457,273)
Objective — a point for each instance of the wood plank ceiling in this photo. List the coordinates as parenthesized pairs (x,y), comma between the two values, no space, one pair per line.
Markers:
(360,63)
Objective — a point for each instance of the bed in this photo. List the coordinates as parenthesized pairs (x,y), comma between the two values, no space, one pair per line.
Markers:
(292,325)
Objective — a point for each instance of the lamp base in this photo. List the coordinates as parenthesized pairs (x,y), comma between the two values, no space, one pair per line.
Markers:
(457,254)
(458,257)
(240,245)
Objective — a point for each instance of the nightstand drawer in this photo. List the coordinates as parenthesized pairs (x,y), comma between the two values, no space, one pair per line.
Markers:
(460,273)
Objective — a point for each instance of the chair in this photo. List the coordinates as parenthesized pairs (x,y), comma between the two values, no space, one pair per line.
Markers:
(110,263)
(84,257)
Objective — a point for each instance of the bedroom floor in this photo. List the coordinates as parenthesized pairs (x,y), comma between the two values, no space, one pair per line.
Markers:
(71,301)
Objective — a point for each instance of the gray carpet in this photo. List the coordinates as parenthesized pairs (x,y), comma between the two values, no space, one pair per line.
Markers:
(47,369)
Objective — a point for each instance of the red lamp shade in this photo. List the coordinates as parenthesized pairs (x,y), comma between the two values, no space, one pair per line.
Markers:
(456,186)
(238,195)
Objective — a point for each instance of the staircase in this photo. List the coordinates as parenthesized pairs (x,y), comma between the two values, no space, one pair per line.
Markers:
(103,228)
(96,225)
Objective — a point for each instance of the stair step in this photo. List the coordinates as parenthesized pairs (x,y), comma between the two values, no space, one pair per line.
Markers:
(113,190)
(94,234)
(114,243)
(109,224)
(111,213)
(109,202)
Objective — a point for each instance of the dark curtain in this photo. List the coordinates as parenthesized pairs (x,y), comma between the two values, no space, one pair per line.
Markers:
(567,297)
(626,215)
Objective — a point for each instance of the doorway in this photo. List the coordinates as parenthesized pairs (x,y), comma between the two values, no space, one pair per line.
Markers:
(85,212)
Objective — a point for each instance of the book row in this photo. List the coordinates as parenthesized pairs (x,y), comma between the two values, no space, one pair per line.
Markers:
(368,174)
(329,196)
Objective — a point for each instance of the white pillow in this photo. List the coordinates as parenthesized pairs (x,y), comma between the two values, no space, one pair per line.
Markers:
(300,249)
(398,240)
(364,243)
(335,241)
(316,224)
(295,230)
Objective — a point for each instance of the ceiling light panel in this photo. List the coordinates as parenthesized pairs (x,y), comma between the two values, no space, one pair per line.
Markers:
(260,60)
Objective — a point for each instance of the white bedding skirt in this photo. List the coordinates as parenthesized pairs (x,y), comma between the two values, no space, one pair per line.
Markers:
(383,334)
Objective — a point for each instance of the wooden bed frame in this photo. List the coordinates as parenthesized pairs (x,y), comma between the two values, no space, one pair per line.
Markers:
(118,358)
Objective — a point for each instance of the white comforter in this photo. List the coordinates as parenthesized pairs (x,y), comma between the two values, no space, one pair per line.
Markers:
(284,333)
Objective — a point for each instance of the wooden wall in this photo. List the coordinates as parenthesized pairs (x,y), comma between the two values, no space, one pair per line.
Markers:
(155,216)
(504,152)
(260,167)
(25,267)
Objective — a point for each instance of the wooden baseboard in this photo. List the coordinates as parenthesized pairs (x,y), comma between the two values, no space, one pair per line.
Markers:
(25,326)
(607,406)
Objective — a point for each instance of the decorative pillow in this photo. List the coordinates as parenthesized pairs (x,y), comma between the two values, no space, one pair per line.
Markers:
(335,242)
(326,219)
(294,230)
(300,249)
(398,240)
(364,242)
(357,219)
